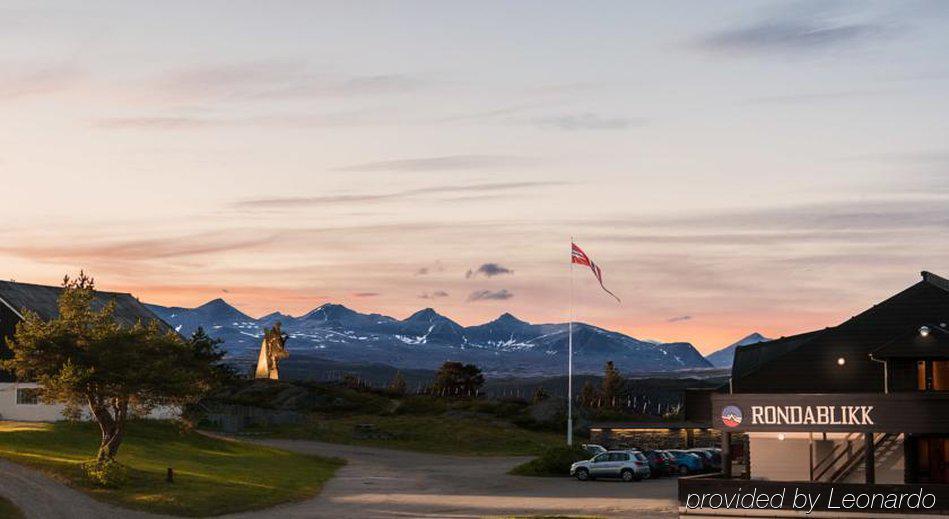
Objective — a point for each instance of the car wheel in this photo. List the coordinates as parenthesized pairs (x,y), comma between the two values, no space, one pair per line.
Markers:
(628,475)
(683,470)
(583,474)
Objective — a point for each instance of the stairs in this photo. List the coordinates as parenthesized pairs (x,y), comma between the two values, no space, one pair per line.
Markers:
(846,461)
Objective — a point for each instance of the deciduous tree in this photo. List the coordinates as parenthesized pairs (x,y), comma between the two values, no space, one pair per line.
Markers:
(85,358)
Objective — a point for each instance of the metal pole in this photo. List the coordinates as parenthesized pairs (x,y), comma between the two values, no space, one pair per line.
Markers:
(570,356)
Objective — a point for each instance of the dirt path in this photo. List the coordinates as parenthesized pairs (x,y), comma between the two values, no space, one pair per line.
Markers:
(382,483)
(40,497)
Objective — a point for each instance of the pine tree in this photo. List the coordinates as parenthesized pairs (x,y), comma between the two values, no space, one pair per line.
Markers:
(588,394)
(397,384)
(613,384)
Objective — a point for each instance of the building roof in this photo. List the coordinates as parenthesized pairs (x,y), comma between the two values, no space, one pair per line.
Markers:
(914,345)
(44,301)
(808,363)
(750,357)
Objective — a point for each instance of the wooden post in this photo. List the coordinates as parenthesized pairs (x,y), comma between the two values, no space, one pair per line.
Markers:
(727,455)
(869,458)
(170,475)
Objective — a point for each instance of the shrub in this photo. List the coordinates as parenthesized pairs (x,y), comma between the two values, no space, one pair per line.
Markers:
(104,474)
(555,461)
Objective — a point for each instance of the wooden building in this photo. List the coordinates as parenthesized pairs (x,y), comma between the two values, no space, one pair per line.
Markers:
(862,406)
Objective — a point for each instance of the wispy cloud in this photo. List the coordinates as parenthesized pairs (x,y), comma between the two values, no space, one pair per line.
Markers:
(19,81)
(274,79)
(789,35)
(487,295)
(366,294)
(306,201)
(438,294)
(587,121)
(801,27)
(488,270)
(429,269)
(443,163)
(189,122)
(138,249)
(679,318)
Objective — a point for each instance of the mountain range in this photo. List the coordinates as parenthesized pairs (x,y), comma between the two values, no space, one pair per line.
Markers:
(724,357)
(426,339)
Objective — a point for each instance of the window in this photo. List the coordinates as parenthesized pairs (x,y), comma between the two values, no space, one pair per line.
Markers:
(27,396)
(619,456)
(932,375)
(601,458)
(940,375)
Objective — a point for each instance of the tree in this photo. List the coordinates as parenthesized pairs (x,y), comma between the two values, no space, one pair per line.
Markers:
(207,349)
(588,394)
(84,357)
(457,379)
(397,385)
(613,384)
(540,394)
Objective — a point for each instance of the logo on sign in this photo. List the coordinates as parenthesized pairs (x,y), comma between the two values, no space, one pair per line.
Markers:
(731,416)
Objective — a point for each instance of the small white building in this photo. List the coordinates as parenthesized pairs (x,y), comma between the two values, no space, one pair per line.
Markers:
(19,400)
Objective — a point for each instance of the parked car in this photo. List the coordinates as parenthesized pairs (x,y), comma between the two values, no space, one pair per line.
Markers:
(661,463)
(708,463)
(687,462)
(593,449)
(626,465)
(713,456)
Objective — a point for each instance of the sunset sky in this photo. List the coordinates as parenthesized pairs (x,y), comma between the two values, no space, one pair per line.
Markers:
(753,166)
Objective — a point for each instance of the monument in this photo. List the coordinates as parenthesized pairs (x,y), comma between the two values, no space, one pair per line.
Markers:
(272,351)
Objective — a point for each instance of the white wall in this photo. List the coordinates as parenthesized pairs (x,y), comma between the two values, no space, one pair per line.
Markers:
(10,410)
(775,459)
(788,459)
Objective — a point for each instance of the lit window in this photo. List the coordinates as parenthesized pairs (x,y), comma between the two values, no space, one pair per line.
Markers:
(27,396)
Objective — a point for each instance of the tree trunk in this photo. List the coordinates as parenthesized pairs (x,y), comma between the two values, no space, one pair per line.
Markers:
(112,426)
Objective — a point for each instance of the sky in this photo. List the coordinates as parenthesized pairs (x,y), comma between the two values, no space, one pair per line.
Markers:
(732,166)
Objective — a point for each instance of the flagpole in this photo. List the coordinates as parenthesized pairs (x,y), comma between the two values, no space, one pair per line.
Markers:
(570,356)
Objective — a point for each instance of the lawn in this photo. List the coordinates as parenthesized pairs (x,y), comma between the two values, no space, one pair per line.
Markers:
(8,510)
(440,434)
(212,476)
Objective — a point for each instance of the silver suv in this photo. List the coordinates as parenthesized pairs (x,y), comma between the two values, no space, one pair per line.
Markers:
(628,465)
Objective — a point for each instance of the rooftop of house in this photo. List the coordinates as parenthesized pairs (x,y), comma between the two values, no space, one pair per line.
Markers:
(44,301)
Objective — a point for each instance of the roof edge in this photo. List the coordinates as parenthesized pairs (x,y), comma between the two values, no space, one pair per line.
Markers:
(935,280)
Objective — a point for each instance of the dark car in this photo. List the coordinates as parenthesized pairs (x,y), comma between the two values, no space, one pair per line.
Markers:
(687,462)
(661,463)
(708,463)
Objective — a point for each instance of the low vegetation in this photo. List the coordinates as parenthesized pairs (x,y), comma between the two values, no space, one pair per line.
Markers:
(8,510)
(444,434)
(211,476)
(337,413)
(555,461)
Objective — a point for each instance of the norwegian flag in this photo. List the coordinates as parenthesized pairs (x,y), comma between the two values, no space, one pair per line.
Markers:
(579,257)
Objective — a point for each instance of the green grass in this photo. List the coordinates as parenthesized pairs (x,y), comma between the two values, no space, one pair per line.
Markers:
(439,434)
(212,476)
(553,462)
(8,510)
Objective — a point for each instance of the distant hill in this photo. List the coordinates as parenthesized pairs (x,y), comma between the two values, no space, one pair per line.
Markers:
(426,339)
(724,357)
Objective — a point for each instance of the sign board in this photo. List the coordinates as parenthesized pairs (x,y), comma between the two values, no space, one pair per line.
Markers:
(910,412)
